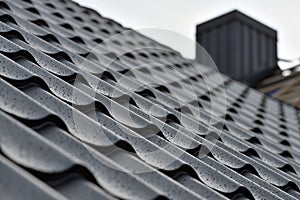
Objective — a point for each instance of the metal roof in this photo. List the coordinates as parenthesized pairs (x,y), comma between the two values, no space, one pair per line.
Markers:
(83,117)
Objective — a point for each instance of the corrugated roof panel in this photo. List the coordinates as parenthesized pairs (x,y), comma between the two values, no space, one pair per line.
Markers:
(105,123)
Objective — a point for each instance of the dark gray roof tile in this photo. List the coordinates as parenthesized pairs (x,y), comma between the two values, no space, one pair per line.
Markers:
(29,149)
(16,183)
(89,119)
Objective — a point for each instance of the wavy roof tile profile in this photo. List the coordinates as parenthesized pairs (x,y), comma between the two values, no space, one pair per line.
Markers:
(87,115)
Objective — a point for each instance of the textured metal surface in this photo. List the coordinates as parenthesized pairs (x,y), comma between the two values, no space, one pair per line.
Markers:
(76,129)
(241,47)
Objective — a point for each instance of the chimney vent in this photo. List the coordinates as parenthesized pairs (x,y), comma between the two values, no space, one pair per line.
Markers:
(241,47)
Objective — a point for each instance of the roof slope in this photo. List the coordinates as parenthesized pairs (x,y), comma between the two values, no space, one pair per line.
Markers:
(76,129)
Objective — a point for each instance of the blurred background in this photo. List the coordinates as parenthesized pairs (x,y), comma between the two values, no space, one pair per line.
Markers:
(183,16)
(268,62)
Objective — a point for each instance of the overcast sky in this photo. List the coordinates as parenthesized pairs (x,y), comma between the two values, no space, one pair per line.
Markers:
(181,16)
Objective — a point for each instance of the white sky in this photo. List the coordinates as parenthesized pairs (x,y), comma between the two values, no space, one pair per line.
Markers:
(181,16)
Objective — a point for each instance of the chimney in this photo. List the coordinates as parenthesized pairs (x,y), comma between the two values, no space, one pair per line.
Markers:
(241,47)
